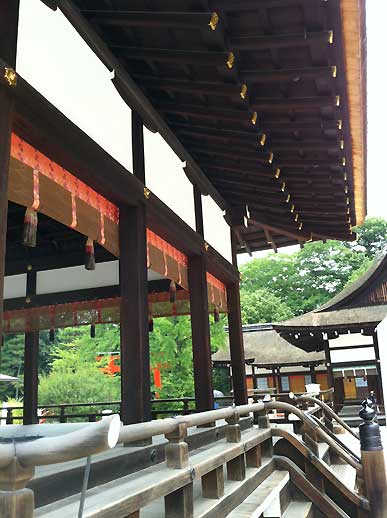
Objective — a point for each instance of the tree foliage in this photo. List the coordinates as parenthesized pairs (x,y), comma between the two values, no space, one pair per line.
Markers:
(371,237)
(262,306)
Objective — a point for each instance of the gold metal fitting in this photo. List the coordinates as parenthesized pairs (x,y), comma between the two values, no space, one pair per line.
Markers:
(28,300)
(337,100)
(349,220)
(334,71)
(283,186)
(345,177)
(243,91)
(29,268)
(254,118)
(292,208)
(214,21)
(230,60)
(346,189)
(343,161)
(271,157)
(296,217)
(10,76)
(287,198)
(348,210)
(300,226)
(277,172)
(339,124)
(147,193)
(263,139)
(341,144)
(330,37)
(206,246)
(347,201)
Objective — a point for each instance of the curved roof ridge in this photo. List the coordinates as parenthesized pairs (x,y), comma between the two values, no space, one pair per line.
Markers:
(356,286)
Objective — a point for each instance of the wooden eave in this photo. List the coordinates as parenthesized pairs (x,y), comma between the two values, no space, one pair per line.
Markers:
(290,70)
(43,126)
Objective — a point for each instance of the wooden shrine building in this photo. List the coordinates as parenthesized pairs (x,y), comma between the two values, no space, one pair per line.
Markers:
(345,328)
(272,362)
(164,138)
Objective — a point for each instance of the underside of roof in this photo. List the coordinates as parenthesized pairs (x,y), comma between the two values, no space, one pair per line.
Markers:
(267,97)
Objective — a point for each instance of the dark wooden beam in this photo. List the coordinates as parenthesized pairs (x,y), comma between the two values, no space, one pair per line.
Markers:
(138,147)
(295,104)
(237,351)
(200,327)
(31,363)
(134,339)
(279,41)
(9,18)
(284,75)
(150,19)
(252,5)
(328,362)
(378,368)
(188,57)
(198,211)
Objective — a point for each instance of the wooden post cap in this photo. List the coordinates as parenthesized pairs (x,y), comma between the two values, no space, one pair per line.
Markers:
(370,439)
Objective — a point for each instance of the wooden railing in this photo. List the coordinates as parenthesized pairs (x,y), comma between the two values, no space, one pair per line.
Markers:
(253,449)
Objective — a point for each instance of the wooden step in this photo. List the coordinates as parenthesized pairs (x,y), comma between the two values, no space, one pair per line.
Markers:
(265,499)
(299,509)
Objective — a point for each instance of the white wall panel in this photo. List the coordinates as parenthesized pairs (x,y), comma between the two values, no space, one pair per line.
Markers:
(382,339)
(216,230)
(165,177)
(55,60)
(15,286)
(77,277)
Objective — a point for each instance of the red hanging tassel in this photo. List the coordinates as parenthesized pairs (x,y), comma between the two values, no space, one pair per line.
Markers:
(216,313)
(172,292)
(92,331)
(30,228)
(150,319)
(89,254)
(52,335)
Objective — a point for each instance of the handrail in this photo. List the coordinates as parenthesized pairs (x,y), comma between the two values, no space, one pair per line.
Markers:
(327,409)
(319,499)
(324,469)
(294,410)
(141,431)
(86,441)
(334,437)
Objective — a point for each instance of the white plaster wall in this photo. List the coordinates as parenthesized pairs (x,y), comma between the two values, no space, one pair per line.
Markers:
(351,355)
(382,339)
(77,277)
(15,286)
(216,230)
(165,177)
(55,60)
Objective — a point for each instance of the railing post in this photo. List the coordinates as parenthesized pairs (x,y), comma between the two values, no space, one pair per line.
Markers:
(9,419)
(372,459)
(178,504)
(62,417)
(15,499)
(236,468)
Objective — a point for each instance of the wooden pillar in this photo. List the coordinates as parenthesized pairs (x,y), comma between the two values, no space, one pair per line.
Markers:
(31,363)
(134,341)
(233,238)
(200,327)
(9,17)
(198,210)
(378,369)
(237,351)
(255,384)
(138,147)
(328,362)
(313,373)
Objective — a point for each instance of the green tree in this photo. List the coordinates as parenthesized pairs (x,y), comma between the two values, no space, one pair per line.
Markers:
(263,306)
(371,236)
(305,279)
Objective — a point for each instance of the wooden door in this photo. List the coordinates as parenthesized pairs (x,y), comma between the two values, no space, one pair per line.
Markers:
(297,383)
(349,388)
(322,380)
